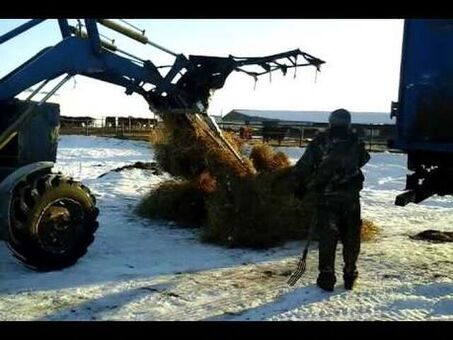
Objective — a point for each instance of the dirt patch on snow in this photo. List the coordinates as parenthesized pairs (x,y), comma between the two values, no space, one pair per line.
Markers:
(434,236)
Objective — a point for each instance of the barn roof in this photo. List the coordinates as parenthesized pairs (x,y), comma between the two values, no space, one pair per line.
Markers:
(305,116)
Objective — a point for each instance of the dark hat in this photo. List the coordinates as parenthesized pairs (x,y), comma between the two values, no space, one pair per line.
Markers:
(340,117)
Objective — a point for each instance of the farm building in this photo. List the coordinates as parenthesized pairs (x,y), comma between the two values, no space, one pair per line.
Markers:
(375,127)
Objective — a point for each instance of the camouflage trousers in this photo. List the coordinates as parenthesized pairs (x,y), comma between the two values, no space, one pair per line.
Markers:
(338,218)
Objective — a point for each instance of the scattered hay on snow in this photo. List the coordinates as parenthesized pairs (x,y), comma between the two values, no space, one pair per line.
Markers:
(369,230)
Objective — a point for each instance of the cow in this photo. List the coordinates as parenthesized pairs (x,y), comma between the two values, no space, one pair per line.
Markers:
(274,132)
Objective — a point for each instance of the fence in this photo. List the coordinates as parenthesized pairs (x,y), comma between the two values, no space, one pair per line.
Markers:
(110,126)
(281,134)
(375,137)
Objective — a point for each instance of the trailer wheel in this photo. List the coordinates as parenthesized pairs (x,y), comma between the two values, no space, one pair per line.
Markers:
(52,222)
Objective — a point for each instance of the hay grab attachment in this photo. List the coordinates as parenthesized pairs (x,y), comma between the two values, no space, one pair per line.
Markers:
(184,89)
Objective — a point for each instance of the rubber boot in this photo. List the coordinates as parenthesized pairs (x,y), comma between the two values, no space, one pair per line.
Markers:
(326,281)
(350,279)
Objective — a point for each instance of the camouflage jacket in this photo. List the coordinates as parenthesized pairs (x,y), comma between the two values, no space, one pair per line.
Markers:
(331,166)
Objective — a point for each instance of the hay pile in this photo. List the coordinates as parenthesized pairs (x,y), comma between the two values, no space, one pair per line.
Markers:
(237,204)
(184,147)
(265,160)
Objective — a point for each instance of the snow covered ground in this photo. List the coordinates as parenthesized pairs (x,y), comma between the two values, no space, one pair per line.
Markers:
(142,270)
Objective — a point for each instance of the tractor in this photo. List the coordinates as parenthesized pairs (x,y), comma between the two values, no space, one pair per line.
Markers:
(48,219)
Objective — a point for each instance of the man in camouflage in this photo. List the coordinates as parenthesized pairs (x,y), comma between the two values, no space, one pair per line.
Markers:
(330,168)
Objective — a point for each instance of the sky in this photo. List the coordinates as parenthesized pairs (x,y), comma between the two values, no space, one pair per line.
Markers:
(361,71)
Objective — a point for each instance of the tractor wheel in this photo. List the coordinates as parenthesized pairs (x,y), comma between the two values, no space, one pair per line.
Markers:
(52,222)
